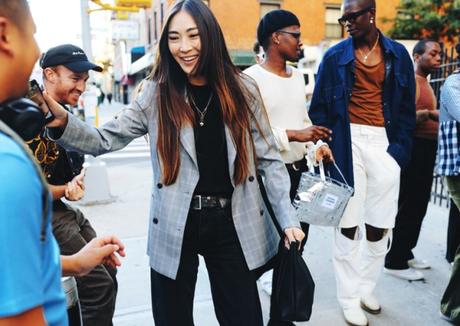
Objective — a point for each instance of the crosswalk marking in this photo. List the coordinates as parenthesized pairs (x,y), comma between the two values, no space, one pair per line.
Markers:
(137,149)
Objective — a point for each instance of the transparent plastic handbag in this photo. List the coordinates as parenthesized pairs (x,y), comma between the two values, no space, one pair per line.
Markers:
(321,200)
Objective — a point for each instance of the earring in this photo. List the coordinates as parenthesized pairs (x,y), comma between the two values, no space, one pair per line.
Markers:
(372,20)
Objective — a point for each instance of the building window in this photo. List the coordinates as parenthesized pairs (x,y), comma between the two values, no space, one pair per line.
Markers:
(162,13)
(267,7)
(333,28)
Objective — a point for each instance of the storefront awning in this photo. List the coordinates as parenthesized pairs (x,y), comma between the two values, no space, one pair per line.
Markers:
(144,62)
(242,58)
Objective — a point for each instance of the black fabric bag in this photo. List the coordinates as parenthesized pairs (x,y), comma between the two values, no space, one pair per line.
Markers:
(293,286)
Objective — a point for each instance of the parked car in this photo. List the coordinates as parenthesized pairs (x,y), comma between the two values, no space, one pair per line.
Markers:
(309,77)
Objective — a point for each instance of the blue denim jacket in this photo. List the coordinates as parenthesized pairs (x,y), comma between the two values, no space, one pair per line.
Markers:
(334,85)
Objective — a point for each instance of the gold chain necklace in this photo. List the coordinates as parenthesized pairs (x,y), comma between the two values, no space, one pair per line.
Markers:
(373,48)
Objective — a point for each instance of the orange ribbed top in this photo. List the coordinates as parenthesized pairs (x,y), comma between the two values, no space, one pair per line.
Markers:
(365,107)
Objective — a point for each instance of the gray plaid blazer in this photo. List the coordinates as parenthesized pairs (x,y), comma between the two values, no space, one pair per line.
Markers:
(170,205)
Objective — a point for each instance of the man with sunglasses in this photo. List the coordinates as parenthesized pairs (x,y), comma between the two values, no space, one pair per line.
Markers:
(283,91)
(365,92)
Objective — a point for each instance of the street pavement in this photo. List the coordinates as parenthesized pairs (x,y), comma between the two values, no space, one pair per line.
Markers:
(130,177)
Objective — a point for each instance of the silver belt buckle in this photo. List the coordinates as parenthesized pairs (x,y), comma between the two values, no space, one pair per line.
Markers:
(222,202)
(199,202)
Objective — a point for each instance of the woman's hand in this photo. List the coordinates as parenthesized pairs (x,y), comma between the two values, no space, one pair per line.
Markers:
(60,114)
(293,235)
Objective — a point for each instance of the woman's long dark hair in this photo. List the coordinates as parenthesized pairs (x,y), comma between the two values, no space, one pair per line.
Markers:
(222,76)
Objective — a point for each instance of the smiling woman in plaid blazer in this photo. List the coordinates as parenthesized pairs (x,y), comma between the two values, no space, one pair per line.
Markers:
(209,137)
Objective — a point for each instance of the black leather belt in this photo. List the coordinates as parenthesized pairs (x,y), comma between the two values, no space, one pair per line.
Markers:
(298,166)
(200,202)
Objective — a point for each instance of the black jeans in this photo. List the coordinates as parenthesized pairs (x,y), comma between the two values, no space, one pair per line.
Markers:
(211,233)
(414,195)
(97,290)
(453,232)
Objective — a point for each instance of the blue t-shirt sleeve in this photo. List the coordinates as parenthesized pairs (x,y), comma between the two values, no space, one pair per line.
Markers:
(21,269)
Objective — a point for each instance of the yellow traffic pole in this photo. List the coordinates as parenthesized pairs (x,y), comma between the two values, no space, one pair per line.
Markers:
(96,119)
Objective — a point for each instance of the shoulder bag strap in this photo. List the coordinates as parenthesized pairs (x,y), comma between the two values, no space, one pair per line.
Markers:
(263,192)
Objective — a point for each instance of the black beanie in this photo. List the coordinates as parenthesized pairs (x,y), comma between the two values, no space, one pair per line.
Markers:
(273,21)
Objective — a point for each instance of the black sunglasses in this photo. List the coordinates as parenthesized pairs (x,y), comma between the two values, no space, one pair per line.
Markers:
(294,34)
(353,15)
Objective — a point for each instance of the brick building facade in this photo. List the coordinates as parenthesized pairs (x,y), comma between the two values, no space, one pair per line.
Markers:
(239,19)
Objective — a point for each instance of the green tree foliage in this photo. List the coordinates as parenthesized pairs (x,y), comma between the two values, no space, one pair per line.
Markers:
(436,19)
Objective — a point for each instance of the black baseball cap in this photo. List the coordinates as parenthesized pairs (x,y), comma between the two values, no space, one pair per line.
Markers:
(70,56)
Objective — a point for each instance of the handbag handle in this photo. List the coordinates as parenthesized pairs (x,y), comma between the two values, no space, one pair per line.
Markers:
(341,174)
(322,174)
(321,171)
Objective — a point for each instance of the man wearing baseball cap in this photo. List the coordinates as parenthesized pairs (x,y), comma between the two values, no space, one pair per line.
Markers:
(70,56)
(65,72)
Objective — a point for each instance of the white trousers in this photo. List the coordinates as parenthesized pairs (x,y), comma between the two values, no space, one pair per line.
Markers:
(358,262)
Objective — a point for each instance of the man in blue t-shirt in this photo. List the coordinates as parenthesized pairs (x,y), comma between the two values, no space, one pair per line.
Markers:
(30,289)
(31,268)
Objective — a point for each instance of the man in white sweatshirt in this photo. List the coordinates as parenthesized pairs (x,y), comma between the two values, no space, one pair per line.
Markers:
(283,91)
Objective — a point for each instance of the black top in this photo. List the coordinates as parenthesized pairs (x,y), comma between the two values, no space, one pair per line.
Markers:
(58,165)
(211,145)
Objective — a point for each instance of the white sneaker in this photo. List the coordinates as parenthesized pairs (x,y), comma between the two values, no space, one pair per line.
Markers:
(266,282)
(418,264)
(355,316)
(370,304)
(405,274)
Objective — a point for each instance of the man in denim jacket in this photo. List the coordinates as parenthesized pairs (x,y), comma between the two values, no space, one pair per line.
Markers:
(365,93)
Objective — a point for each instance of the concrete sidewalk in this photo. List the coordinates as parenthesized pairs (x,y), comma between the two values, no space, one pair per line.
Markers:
(403,303)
